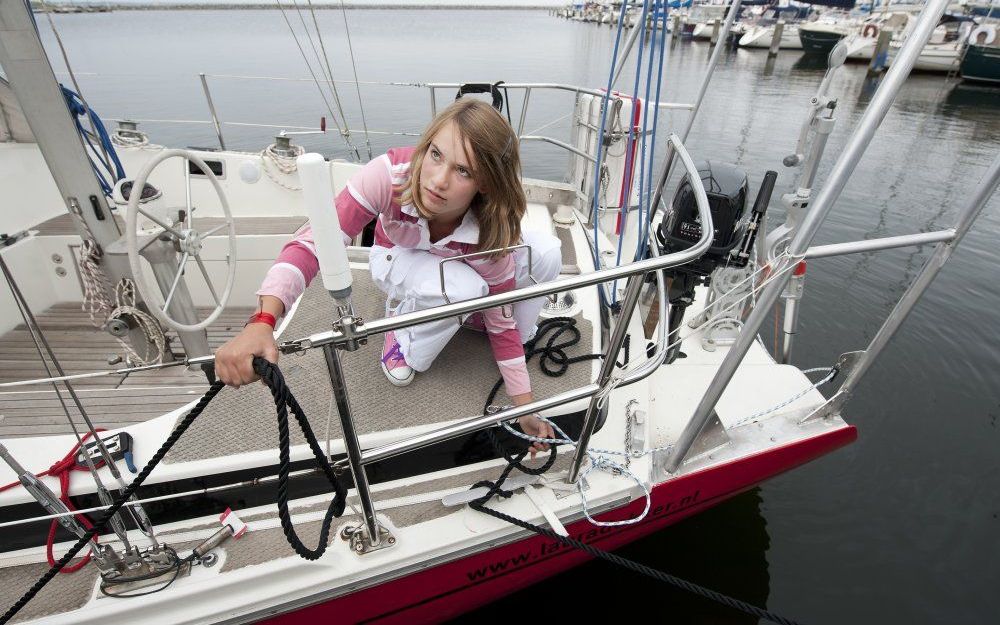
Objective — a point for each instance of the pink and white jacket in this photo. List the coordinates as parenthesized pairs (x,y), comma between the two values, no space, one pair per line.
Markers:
(370,194)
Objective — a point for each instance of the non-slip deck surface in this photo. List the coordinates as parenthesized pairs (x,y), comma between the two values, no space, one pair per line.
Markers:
(110,401)
(455,387)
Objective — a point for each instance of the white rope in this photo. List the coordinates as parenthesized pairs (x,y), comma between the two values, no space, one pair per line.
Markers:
(96,302)
(285,164)
(832,372)
(127,141)
(125,307)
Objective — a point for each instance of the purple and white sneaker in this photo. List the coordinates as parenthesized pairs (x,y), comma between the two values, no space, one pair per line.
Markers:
(394,363)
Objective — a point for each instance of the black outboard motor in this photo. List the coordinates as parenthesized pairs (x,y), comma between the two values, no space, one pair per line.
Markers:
(727,187)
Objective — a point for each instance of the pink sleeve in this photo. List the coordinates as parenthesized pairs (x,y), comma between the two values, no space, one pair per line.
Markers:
(368,193)
(505,339)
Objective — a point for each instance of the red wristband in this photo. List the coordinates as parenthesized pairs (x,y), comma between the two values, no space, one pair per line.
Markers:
(262,317)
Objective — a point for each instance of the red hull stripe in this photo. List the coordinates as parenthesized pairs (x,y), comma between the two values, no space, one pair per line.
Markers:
(452,588)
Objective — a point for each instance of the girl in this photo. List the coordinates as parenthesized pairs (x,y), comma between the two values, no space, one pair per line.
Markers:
(458,192)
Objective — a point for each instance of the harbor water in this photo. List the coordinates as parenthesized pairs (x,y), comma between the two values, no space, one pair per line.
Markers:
(899,527)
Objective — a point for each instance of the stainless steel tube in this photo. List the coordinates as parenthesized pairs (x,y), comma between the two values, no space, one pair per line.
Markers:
(629,43)
(884,243)
(970,212)
(608,365)
(339,384)
(524,111)
(561,144)
(848,160)
(555,86)
(211,108)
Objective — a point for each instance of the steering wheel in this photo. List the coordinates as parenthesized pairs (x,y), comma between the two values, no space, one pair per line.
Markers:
(185,238)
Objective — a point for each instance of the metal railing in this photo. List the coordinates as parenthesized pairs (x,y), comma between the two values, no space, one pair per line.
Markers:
(218,125)
(799,245)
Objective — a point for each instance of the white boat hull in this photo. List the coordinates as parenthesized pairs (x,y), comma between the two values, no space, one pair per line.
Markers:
(761,36)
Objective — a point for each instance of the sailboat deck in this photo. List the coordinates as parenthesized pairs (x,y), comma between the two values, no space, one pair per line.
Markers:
(110,401)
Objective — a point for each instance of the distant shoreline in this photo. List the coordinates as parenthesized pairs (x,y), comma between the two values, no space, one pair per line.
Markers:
(104,8)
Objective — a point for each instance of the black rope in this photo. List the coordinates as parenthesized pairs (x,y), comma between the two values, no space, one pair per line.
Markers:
(636,567)
(283,400)
(553,362)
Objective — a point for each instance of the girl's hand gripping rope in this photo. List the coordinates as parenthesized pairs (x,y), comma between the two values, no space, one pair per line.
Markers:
(533,425)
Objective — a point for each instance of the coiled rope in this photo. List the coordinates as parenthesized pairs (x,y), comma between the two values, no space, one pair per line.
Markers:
(155,339)
(284,164)
(102,309)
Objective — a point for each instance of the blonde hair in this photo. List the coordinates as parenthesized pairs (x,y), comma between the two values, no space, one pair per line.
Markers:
(501,204)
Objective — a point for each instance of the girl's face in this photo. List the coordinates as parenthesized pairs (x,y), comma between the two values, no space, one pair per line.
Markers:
(447,184)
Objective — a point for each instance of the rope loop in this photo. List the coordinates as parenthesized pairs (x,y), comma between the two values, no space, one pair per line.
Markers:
(283,402)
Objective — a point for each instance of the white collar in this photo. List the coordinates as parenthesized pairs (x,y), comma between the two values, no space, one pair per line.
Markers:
(466,232)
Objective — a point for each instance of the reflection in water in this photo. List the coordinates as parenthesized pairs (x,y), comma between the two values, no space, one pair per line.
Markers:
(868,87)
(724,548)
(810,62)
(769,65)
(966,94)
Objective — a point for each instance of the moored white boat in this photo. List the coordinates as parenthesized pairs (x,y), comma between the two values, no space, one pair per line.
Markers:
(762,36)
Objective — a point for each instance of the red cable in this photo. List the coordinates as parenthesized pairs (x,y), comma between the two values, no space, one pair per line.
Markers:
(61,469)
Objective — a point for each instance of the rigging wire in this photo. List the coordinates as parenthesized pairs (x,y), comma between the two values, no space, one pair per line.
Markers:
(327,70)
(40,342)
(72,75)
(357,86)
(650,209)
(319,87)
(594,211)
(626,194)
